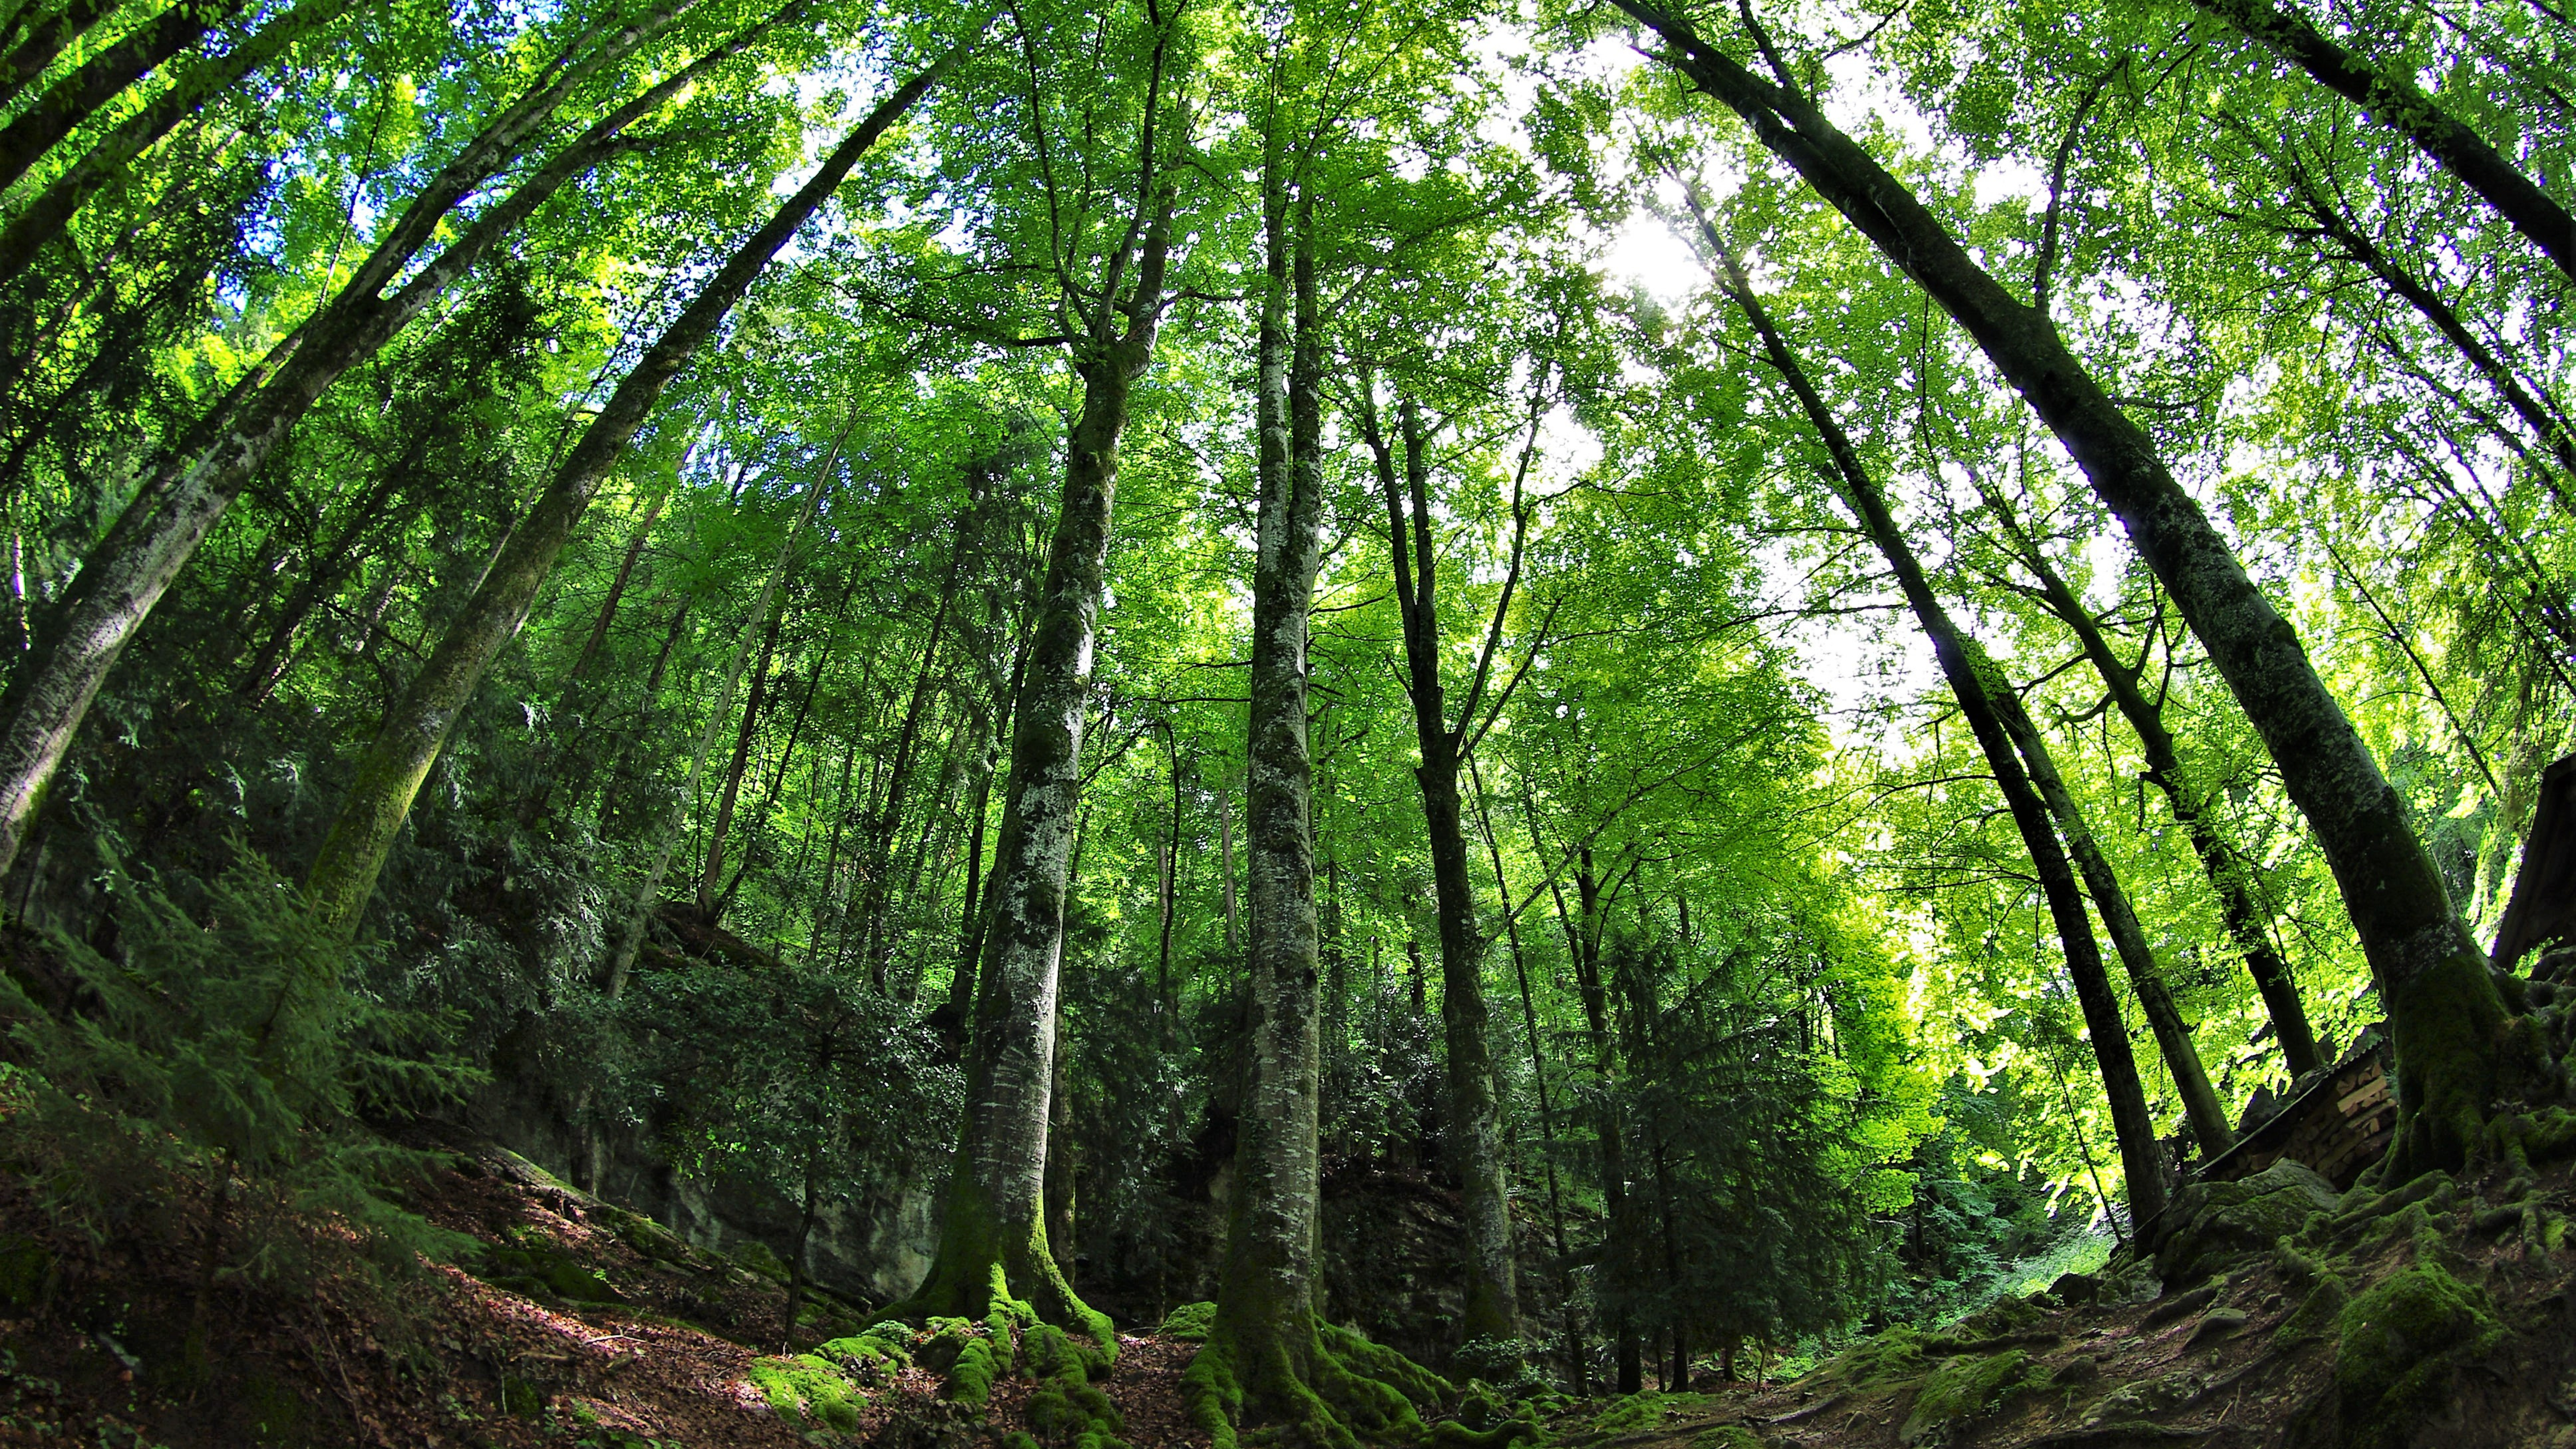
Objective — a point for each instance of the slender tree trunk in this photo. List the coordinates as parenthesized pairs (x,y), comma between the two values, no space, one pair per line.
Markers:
(2200,1102)
(1978,688)
(2392,98)
(45,39)
(416,728)
(993,1232)
(1574,1365)
(125,574)
(648,895)
(876,940)
(1225,862)
(711,870)
(1474,1138)
(2240,907)
(634,554)
(101,79)
(2457,1052)
(1583,942)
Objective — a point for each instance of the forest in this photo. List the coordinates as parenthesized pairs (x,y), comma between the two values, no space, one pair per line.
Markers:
(1287,722)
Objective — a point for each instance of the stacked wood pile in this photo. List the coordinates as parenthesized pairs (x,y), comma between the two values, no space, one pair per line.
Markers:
(2336,1121)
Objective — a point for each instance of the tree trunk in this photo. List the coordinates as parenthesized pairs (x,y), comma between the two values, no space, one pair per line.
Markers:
(1973,681)
(648,895)
(124,575)
(1583,944)
(876,940)
(1473,1132)
(2394,100)
(1268,1359)
(101,79)
(992,1229)
(2200,1102)
(1538,1074)
(45,39)
(416,728)
(2456,1050)
(1225,863)
(711,870)
(45,215)
(2239,906)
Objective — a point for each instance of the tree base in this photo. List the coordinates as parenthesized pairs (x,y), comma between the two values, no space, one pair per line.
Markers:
(1306,1383)
(2460,1058)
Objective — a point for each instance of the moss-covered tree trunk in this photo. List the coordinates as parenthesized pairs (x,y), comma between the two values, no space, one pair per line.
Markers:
(992,1243)
(1979,691)
(1269,1360)
(2457,1051)
(416,727)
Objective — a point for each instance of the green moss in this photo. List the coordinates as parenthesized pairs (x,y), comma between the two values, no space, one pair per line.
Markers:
(755,1255)
(1636,1414)
(2399,1342)
(1190,1322)
(1312,1384)
(278,1414)
(872,1356)
(1895,1354)
(809,1390)
(1066,1409)
(1965,1388)
(521,1399)
(2216,1221)
(547,1270)
(24,1267)
(2457,1051)
(2320,1311)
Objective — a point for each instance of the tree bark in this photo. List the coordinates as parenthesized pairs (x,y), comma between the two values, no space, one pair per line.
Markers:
(2240,907)
(1978,689)
(1268,1359)
(2456,1051)
(45,40)
(992,1230)
(101,79)
(1583,945)
(711,869)
(2200,1103)
(416,728)
(125,574)
(2395,101)
(1474,1138)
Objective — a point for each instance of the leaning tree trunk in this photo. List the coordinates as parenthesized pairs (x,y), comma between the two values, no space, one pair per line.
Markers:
(125,574)
(2239,907)
(1269,1359)
(100,79)
(417,726)
(2392,98)
(1974,682)
(992,1241)
(35,51)
(2119,921)
(2457,1051)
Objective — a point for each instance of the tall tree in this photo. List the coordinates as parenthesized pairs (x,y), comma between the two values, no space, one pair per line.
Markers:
(2456,1052)
(417,725)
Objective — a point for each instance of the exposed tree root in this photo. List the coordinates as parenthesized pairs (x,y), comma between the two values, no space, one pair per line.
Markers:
(1314,1384)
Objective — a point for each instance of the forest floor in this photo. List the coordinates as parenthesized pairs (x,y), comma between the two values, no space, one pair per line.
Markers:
(2437,1314)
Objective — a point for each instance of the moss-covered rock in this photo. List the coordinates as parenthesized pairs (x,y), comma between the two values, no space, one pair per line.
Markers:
(1190,1322)
(1964,1389)
(1896,1354)
(545,1270)
(2213,1222)
(809,1390)
(2397,1345)
(873,1356)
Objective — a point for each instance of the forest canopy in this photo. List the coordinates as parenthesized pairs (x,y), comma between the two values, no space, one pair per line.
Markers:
(1788,653)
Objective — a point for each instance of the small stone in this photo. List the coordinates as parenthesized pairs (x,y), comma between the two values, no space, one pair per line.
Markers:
(2216,1324)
